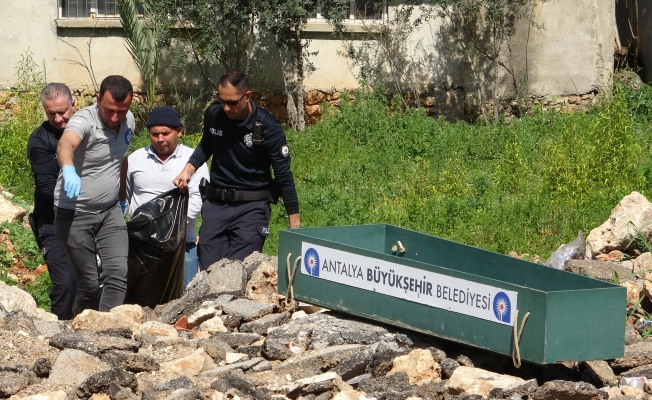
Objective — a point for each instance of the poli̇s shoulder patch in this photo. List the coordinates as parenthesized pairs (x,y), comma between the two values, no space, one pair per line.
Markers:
(128,135)
(285,150)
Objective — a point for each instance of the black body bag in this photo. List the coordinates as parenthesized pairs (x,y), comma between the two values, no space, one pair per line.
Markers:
(157,246)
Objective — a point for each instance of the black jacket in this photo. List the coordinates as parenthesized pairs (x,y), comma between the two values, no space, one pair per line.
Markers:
(240,164)
(42,153)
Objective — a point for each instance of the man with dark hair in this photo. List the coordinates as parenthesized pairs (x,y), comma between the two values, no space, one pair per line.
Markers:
(151,168)
(90,196)
(59,106)
(246,143)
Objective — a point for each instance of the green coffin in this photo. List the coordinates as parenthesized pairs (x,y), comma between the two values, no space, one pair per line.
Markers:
(454,291)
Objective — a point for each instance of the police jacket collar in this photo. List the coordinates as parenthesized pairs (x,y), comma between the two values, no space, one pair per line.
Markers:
(251,118)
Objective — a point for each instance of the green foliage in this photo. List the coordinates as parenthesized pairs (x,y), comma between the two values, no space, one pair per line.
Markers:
(144,39)
(25,247)
(40,291)
(15,171)
(526,186)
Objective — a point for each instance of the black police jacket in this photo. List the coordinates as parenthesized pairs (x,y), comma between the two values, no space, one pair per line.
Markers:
(238,163)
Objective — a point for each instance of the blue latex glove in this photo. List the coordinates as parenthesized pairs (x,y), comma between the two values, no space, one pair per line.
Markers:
(71,181)
(123,207)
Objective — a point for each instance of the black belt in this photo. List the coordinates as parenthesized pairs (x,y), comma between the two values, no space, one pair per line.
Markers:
(236,195)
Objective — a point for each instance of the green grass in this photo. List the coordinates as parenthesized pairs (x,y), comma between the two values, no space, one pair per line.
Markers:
(525,185)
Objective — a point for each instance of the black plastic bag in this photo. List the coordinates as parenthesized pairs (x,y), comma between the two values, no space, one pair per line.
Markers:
(157,246)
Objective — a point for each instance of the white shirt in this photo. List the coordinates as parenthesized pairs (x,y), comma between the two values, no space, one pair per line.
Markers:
(148,177)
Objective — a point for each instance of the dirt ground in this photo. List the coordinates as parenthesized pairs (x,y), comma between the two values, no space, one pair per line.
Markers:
(18,271)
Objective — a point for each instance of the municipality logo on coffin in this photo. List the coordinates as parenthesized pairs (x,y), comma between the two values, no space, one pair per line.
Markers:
(502,307)
(311,262)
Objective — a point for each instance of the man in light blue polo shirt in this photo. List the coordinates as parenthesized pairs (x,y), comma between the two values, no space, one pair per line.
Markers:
(90,195)
(152,168)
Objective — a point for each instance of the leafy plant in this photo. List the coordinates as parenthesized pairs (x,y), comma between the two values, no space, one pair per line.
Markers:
(144,39)
(15,171)
(25,247)
(40,291)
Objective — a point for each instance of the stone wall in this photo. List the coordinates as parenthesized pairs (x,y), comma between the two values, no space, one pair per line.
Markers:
(454,105)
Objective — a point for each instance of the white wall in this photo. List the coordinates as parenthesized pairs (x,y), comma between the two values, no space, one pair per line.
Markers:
(572,54)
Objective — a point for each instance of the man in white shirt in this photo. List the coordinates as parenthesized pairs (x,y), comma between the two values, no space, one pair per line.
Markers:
(152,168)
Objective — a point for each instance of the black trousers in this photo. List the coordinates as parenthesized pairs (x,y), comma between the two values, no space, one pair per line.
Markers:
(231,230)
(64,283)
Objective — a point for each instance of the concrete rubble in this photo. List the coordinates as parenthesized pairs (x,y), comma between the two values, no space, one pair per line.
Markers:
(265,350)
(231,336)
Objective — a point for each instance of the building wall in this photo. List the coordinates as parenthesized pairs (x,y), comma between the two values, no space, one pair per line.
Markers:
(572,54)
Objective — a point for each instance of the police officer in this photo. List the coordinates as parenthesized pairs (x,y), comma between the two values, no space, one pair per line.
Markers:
(244,141)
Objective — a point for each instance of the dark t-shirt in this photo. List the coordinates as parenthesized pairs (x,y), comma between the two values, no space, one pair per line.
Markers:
(42,153)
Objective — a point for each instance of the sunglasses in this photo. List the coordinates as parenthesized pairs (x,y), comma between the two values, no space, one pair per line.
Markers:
(231,102)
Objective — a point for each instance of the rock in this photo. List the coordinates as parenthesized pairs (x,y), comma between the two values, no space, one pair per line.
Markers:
(315,361)
(314,97)
(172,311)
(227,382)
(355,365)
(118,392)
(632,392)
(73,367)
(98,321)
(419,365)
(448,366)
(235,357)
(633,291)
(236,340)
(158,328)
(598,269)
(226,277)
(201,315)
(101,381)
(598,373)
(262,285)
(631,213)
(614,255)
(564,390)
(91,343)
(641,370)
(247,310)
(215,348)
(636,354)
(469,380)
(50,395)
(48,328)
(42,367)
(318,331)
(313,385)
(262,324)
(190,365)
(396,386)
(213,325)
(631,336)
(10,212)
(13,298)
(643,264)
(12,383)
(243,366)
(129,361)
(19,321)
(520,390)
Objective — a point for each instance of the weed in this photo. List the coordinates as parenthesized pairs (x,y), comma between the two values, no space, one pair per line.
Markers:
(25,247)
(40,291)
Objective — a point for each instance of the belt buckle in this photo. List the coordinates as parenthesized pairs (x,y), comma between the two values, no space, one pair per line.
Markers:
(229,194)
